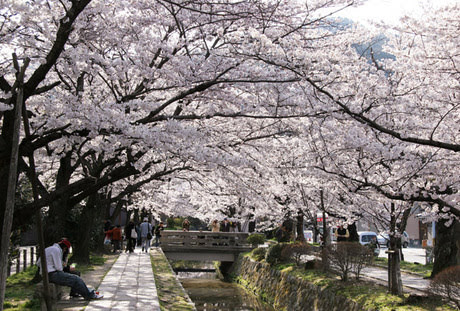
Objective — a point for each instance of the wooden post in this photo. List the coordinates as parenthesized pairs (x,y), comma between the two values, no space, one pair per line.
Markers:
(24,258)
(32,256)
(18,263)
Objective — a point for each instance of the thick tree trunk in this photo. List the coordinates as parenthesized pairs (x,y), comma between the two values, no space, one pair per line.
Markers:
(6,141)
(394,262)
(57,224)
(446,246)
(354,237)
(86,232)
(299,227)
(394,267)
(9,199)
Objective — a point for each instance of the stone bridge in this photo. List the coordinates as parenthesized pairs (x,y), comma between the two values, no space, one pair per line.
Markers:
(204,245)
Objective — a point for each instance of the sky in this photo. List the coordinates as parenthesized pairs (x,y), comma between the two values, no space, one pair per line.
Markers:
(390,11)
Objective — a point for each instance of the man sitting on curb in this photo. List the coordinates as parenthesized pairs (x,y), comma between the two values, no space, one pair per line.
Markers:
(58,276)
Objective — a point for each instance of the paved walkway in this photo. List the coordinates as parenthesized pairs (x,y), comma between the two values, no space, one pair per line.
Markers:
(409,281)
(129,285)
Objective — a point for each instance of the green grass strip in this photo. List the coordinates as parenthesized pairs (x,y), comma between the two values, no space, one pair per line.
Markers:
(170,292)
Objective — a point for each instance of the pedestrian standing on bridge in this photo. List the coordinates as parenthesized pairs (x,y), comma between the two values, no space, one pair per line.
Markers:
(158,230)
(215,226)
(146,234)
(225,226)
(186,225)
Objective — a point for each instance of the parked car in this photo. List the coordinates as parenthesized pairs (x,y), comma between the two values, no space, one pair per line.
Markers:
(384,239)
(366,237)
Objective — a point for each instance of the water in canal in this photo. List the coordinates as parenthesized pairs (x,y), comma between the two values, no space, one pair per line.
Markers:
(210,294)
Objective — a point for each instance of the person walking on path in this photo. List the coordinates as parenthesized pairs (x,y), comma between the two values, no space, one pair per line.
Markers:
(146,234)
(131,237)
(56,275)
(115,232)
(158,230)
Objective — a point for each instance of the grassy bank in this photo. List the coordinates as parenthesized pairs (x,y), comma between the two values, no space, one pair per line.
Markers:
(422,270)
(368,294)
(20,289)
(170,292)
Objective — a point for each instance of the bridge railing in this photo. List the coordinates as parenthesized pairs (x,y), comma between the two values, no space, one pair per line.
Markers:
(204,239)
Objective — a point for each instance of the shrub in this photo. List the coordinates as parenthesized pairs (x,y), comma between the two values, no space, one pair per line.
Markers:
(170,223)
(274,253)
(256,239)
(295,251)
(447,284)
(349,256)
(259,253)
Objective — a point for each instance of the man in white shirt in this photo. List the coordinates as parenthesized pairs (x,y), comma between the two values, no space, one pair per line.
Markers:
(58,276)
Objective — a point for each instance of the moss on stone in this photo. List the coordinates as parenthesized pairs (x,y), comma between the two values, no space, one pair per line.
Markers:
(171,294)
(290,287)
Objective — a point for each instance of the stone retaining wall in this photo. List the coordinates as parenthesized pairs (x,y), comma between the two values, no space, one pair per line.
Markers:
(288,292)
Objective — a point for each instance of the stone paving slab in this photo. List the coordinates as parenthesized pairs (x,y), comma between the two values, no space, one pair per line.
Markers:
(129,285)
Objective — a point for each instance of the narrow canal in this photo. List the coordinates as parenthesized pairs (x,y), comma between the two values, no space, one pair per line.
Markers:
(211,294)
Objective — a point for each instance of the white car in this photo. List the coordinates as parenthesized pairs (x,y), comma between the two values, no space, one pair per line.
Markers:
(366,237)
(384,239)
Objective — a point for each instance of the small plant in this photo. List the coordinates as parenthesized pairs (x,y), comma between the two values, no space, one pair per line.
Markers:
(274,254)
(295,251)
(349,257)
(171,224)
(259,253)
(256,239)
(447,284)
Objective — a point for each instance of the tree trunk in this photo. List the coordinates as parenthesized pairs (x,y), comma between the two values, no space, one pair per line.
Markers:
(326,240)
(446,245)
(86,232)
(6,141)
(354,237)
(12,175)
(57,225)
(299,226)
(394,267)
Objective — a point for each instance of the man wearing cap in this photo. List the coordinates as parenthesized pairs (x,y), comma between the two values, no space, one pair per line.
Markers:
(58,276)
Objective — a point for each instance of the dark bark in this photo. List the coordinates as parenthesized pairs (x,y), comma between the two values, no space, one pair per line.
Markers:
(394,267)
(446,246)
(299,227)
(353,231)
(57,224)
(85,231)
(394,264)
